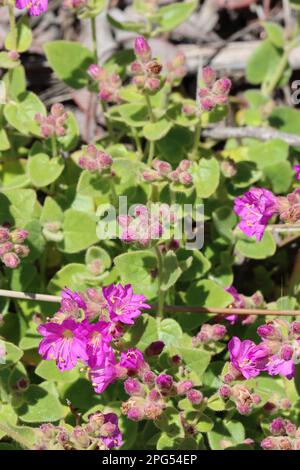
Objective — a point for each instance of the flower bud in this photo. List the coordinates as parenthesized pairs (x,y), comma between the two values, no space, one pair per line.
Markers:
(222,86)
(80,437)
(164,382)
(185,178)
(142,49)
(218,332)
(57,110)
(277,426)
(155,348)
(4,234)
(152,84)
(6,247)
(225,391)
(285,444)
(135,414)
(209,76)
(11,260)
(268,443)
(194,396)
(133,387)
(184,386)
(286,352)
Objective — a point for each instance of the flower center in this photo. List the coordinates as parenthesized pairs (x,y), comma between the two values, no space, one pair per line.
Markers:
(68,334)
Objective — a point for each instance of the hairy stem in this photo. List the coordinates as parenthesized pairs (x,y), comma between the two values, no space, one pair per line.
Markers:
(161,293)
(94,39)
(193,154)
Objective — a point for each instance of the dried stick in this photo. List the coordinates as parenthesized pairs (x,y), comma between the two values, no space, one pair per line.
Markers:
(260,133)
(167,308)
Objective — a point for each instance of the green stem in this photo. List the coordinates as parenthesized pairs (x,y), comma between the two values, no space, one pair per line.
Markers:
(151,152)
(53,146)
(149,106)
(137,141)
(161,293)
(269,86)
(193,154)
(152,119)
(13,29)
(113,193)
(107,121)
(94,39)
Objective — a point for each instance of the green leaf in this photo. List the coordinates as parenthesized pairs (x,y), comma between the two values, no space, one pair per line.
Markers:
(4,142)
(71,137)
(22,207)
(134,114)
(24,36)
(48,371)
(206,176)
(285,119)
(51,211)
(126,25)
(268,153)
(195,360)
(280,176)
(15,81)
(171,16)
(72,275)
(157,130)
(70,61)
(6,62)
(225,220)
(41,406)
(97,253)
(93,185)
(21,114)
(171,271)
(251,248)
(275,33)
(169,331)
(12,355)
(79,230)
(208,294)
(138,268)
(44,170)
(263,62)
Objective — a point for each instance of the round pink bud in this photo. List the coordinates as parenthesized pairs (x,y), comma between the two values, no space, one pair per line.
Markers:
(154,395)
(268,444)
(46,131)
(136,67)
(57,110)
(152,83)
(142,48)
(228,378)
(14,55)
(151,175)
(209,76)
(256,398)
(290,429)
(222,86)
(4,234)
(285,444)
(218,332)
(296,327)
(164,382)
(22,250)
(277,426)
(149,377)
(184,386)
(139,81)
(207,103)
(174,175)
(267,331)
(11,260)
(135,414)
(194,396)
(105,160)
(133,387)
(6,247)
(18,235)
(243,408)
(225,391)
(184,165)
(185,178)
(162,167)
(94,71)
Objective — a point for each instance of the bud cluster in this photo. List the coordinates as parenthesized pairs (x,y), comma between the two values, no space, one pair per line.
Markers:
(146,70)
(75,5)
(12,246)
(176,69)
(243,398)
(285,435)
(93,159)
(100,433)
(162,171)
(146,225)
(55,123)
(241,301)
(209,334)
(109,84)
(289,207)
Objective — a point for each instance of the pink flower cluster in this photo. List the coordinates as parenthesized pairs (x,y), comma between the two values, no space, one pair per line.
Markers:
(277,353)
(95,160)
(109,84)
(100,433)
(149,391)
(146,225)
(243,397)
(241,301)
(35,7)
(255,208)
(12,246)
(289,207)
(209,334)
(145,69)
(176,69)
(162,171)
(71,336)
(215,92)
(55,123)
(285,435)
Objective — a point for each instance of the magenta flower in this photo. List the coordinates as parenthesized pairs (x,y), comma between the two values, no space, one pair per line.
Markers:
(35,7)
(255,208)
(296,168)
(132,360)
(71,300)
(112,438)
(123,304)
(65,342)
(239,302)
(277,366)
(105,373)
(98,342)
(248,358)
